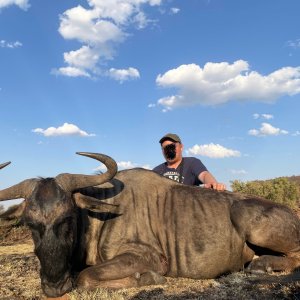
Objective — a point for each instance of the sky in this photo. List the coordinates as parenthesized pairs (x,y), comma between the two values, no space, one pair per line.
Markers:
(114,76)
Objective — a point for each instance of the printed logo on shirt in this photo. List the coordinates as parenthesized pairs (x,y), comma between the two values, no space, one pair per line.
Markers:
(173,175)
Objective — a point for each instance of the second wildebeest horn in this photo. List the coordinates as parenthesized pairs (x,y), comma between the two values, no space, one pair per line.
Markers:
(68,182)
(4,164)
(72,182)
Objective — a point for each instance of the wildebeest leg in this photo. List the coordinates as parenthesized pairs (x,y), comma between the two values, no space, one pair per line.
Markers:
(270,263)
(270,227)
(123,271)
(92,238)
(248,254)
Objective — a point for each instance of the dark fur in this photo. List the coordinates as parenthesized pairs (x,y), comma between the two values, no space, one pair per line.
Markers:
(154,227)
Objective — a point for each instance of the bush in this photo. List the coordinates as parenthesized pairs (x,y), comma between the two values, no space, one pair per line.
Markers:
(280,190)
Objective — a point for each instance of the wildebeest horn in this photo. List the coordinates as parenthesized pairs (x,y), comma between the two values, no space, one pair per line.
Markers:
(20,190)
(69,182)
(72,182)
(4,165)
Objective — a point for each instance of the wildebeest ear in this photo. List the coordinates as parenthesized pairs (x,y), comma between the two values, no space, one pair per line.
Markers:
(93,204)
(13,212)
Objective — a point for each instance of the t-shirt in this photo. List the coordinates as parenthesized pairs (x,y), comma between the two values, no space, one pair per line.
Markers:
(191,168)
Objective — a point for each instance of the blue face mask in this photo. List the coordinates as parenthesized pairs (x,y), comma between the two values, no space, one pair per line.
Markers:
(170,151)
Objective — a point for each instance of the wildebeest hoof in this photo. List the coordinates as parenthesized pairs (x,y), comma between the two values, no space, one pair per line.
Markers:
(150,278)
(254,272)
(258,267)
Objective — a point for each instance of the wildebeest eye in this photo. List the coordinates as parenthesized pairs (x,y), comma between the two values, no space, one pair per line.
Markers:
(62,228)
(37,230)
(36,227)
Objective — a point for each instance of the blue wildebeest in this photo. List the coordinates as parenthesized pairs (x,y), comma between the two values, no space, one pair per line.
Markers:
(133,227)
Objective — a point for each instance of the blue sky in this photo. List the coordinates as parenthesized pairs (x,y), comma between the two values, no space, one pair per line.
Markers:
(114,76)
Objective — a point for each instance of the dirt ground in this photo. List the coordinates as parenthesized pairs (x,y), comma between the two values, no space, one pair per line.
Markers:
(19,279)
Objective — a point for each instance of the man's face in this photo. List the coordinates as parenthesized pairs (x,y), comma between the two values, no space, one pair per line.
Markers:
(172,151)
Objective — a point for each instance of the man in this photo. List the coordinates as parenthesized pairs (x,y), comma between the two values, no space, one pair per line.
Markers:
(186,170)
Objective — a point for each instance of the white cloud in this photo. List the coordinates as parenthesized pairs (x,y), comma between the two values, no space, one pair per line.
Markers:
(123,74)
(124,165)
(23,4)
(85,58)
(5,44)
(267,116)
(213,151)
(130,165)
(295,44)
(175,10)
(238,172)
(151,105)
(267,129)
(86,26)
(65,130)
(147,167)
(296,133)
(70,72)
(100,28)
(263,116)
(79,62)
(141,20)
(218,83)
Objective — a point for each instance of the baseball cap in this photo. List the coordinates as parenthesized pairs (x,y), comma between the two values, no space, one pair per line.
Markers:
(170,136)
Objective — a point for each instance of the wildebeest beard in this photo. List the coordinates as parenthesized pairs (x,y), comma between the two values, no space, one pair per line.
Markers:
(55,252)
(170,151)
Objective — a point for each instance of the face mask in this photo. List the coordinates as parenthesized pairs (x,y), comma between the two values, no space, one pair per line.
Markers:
(170,151)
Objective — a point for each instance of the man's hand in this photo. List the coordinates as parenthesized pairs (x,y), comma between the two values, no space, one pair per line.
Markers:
(210,182)
(215,186)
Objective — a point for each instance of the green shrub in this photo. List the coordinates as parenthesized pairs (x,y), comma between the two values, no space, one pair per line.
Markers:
(280,190)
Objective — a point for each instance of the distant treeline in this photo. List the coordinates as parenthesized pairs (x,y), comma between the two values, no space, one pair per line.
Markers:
(284,190)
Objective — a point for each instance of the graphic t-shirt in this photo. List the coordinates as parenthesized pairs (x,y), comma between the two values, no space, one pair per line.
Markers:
(191,168)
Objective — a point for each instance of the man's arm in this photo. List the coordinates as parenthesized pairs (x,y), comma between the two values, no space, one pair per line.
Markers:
(209,181)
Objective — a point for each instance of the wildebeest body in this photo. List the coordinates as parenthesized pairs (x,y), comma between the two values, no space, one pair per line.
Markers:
(140,226)
(199,233)
(186,228)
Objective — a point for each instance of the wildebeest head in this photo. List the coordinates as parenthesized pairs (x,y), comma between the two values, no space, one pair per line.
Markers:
(50,212)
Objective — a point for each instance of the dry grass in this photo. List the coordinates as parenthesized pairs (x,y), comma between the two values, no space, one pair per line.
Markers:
(19,279)
(20,249)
